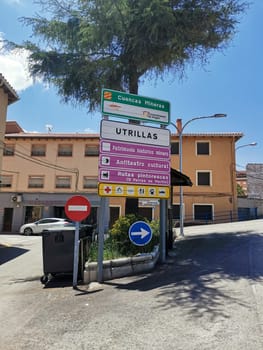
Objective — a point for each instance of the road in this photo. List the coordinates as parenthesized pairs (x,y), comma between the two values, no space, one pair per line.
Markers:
(208,295)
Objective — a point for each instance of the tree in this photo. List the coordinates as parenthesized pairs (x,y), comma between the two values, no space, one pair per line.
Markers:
(85,45)
(240,191)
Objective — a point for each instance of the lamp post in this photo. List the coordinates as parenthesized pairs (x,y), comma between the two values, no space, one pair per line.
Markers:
(180,134)
(247,145)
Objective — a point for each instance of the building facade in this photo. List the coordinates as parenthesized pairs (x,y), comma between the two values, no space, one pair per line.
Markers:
(7,96)
(241,179)
(251,206)
(209,161)
(254,173)
(41,171)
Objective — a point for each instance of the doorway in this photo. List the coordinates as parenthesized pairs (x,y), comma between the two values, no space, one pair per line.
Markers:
(8,218)
(33,213)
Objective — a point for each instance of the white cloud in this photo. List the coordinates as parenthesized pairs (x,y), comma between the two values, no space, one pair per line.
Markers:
(14,67)
(90,131)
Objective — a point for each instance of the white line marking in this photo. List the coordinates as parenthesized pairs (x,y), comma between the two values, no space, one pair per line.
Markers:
(77,207)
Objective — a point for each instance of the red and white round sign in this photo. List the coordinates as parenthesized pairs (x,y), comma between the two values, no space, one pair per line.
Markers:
(77,208)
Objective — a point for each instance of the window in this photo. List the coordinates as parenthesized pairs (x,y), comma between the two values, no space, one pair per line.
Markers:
(9,150)
(63,181)
(203,148)
(38,150)
(50,221)
(33,213)
(65,150)
(91,150)
(6,181)
(35,181)
(89,182)
(175,148)
(203,178)
(146,213)
(176,211)
(114,215)
(203,212)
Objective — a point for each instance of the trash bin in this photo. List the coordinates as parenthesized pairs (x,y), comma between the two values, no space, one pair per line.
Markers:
(58,252)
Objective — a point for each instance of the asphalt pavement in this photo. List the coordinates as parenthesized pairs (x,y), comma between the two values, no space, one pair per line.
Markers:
(207,296)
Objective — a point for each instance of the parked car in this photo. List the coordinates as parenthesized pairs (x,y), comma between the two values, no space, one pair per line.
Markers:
(39,226)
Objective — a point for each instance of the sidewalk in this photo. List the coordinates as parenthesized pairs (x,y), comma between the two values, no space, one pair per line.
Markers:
(240,226)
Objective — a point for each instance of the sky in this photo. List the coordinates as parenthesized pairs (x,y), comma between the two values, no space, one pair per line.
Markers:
(230,83)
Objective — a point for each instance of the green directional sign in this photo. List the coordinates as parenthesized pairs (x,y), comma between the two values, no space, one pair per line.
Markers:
(136,107)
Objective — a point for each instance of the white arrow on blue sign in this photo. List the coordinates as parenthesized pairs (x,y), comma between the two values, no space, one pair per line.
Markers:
(140,233)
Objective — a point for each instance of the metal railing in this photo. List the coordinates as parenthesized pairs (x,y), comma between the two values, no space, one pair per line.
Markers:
(241,214)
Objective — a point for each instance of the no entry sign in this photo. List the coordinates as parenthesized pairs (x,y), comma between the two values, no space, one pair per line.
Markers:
(77,208)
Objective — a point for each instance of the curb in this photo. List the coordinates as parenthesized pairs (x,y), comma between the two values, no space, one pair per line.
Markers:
(122,267)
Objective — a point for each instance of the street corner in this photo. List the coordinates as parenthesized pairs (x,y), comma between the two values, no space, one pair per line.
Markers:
(5,245)
(95,287)
(184,245)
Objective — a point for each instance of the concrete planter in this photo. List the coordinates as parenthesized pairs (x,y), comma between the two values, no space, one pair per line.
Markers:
(122,267)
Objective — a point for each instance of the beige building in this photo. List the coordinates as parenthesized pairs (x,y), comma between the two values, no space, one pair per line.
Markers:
(251,205)
(7,96)
(41,171)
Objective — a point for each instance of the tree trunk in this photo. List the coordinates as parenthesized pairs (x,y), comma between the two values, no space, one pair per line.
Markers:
(132,204)
(133,83)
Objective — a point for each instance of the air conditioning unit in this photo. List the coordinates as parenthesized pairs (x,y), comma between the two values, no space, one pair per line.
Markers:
(17,198)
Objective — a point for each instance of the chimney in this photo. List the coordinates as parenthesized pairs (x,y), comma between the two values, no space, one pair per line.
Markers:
(179,125)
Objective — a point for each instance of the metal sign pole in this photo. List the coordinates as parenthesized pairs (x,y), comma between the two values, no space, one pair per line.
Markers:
(77,208)
(162,230)
(76,256)
(101,239)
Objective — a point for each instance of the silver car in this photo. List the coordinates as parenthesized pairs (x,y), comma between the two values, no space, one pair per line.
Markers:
(39,226)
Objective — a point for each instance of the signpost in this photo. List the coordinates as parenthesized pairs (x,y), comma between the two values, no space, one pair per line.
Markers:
(130,190)
(130,106)
(140,233)
(145,135)
(134,159)
(134,149)
(77,208)
(134,155)
(134,177)
(145,164)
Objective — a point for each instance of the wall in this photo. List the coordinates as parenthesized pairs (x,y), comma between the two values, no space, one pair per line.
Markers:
(222,192)
(3,111)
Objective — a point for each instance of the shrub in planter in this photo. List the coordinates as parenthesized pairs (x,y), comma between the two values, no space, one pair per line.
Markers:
(119,235)
(118,244)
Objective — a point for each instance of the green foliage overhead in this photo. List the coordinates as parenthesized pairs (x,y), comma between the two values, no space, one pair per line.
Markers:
(85,45)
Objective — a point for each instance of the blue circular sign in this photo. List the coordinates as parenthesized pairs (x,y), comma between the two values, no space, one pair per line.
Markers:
(140,233)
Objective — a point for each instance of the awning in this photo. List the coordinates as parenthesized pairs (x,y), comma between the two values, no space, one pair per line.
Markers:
(180,179)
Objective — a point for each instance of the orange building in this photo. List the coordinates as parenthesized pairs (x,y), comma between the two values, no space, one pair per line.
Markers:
(209,161)
(42,170)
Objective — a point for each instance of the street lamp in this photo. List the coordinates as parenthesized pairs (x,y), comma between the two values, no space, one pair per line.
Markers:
(246,145)
(180,134)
